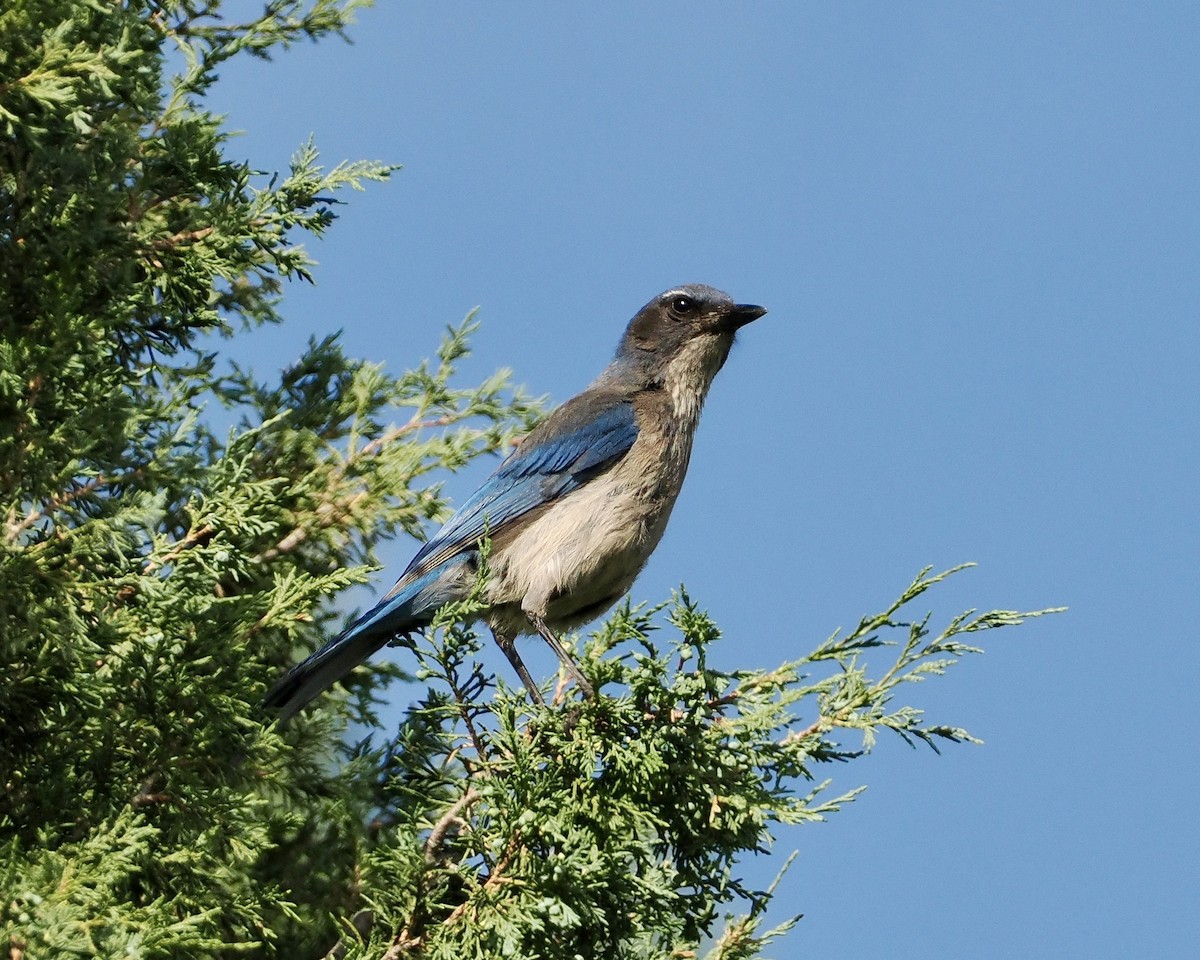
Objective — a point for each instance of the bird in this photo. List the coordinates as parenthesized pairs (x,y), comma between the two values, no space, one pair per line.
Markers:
(571,516)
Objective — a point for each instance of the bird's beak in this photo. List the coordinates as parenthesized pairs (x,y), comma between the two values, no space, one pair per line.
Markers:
(742,314)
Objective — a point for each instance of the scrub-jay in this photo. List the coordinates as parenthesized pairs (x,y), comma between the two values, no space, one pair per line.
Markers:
(573,513)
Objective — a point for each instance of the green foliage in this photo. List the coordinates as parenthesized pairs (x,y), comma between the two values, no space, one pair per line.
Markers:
(160,572)
(76,901)
(616,827)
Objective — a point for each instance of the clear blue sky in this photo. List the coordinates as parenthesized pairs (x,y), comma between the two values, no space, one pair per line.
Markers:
(976,227)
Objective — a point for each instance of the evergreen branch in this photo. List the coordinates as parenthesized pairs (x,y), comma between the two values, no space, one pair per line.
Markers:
(414,425)
(183,236)
(14,528)
(451,818)
(195,536)
(650,795)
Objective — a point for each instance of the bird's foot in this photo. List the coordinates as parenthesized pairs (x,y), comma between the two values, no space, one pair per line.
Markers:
(572,667)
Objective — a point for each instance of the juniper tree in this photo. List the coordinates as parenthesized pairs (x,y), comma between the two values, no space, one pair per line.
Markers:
(159,571)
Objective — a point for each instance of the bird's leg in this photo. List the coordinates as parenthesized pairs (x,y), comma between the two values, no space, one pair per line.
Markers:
(509,646)
(561,652)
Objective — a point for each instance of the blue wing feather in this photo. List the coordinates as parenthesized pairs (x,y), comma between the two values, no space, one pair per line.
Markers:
(550,463)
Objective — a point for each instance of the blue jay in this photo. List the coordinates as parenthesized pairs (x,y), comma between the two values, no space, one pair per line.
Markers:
(573,513)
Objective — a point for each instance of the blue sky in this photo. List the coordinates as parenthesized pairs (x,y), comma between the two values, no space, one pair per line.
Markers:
(976,227)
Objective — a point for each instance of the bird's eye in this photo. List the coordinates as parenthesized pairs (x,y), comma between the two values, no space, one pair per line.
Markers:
(683,305)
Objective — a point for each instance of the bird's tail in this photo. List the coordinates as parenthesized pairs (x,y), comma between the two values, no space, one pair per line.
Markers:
(398,614)
(312,677)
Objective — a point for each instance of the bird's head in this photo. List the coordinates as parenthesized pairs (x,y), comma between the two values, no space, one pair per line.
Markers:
(685,331)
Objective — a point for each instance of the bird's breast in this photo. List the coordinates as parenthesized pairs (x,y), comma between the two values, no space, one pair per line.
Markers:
(584,551)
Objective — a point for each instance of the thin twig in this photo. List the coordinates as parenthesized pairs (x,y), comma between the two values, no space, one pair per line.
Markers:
(17,527)
(452,817)
(183,236)
(394,433)
(495,878)
(329,514)
(194,536)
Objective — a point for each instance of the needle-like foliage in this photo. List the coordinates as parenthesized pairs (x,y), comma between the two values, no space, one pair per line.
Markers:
(618,827)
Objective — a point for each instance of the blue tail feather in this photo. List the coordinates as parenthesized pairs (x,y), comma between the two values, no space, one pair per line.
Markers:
(408,610)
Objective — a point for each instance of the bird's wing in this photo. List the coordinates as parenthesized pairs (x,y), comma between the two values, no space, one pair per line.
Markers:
(579,440)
